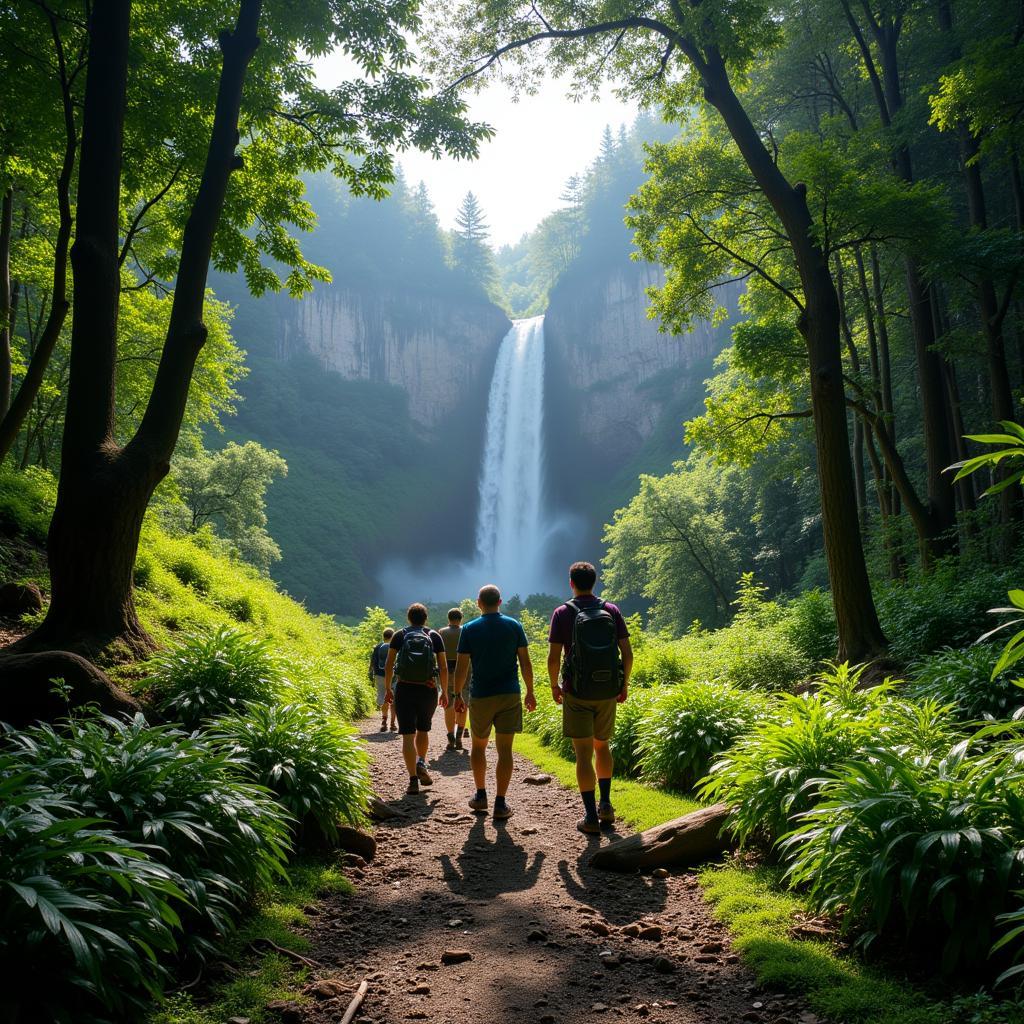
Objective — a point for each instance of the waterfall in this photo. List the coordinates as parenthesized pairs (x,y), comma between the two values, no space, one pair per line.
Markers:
(510,529)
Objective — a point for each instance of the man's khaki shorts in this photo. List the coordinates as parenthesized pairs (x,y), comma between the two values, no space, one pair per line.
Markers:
(588,719)
(503,713)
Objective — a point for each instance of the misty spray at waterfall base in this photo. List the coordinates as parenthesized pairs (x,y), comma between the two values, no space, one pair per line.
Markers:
(516,536)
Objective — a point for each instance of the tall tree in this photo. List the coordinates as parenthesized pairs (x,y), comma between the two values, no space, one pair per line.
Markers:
(706,47)
(105,486)
(471,251)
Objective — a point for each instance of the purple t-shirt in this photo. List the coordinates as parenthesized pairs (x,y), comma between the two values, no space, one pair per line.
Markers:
(561,631)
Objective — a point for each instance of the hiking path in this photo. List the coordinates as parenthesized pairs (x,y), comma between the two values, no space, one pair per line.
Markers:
(551,940)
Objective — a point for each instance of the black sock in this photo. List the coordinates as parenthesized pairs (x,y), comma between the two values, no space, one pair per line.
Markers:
(481,794)
(459,730)
(451,737)
(605,785)
(590,803)
(414,778)
(420,760)
(499,801)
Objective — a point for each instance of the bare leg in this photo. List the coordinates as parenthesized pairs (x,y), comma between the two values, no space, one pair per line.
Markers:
(449,717)
(422,745)
(460,719)
(409,752)
(503,773)
(585,776)
(383,709)
(603,757)
(478,761)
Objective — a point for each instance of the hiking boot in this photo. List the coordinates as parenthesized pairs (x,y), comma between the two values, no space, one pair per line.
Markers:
(502,812)
(394,727)
(383,726)
(458,742)
(414,787)
(478,803)
(589,826)
(605,812)
(423,775)
(451,742)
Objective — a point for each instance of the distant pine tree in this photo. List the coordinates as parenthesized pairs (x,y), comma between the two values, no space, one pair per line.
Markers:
(471,252)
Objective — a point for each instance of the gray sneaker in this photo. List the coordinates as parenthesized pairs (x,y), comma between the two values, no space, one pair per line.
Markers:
(589,826)
(478,804)
(605,812)
(501,813)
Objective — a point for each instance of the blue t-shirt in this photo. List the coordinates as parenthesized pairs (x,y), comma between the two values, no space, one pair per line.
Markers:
(492,642)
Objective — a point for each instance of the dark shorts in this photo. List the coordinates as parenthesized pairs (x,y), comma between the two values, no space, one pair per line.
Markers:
(415,705)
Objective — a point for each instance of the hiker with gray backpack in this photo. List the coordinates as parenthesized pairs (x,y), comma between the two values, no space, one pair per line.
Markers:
(590,681)
(414,664)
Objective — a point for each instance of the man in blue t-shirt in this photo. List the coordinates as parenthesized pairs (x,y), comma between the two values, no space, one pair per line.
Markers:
(495,646)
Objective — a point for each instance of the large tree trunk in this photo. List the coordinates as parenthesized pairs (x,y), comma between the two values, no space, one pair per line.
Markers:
(860,634)
(6,300)
(104,490)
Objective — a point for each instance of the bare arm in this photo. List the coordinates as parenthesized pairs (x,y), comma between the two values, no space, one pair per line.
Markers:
(554,667)
(442,671)
(526,667)
(389,671)
(462,663)
(626,650)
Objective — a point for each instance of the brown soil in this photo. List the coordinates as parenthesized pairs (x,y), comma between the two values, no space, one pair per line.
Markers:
(521,899)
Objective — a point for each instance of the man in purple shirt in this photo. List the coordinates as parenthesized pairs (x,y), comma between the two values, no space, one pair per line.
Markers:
(588,723)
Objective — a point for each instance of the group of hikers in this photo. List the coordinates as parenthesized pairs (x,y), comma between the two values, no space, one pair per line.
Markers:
(476,669)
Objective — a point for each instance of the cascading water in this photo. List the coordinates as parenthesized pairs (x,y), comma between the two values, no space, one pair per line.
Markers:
(510,526)
(515,532)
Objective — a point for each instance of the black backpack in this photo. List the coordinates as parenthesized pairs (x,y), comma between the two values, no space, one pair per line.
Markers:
(596,663)
(380,658)
(415,661)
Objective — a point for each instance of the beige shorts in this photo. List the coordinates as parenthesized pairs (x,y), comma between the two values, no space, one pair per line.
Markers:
(503,713)
(588,719)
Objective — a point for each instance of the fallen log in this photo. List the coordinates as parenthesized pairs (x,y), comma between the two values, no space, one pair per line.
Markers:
(691,839)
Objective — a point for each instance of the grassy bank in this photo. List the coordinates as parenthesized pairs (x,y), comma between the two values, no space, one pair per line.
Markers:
(761,916)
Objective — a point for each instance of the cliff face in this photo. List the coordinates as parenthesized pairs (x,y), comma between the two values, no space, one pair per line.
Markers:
(438,352)
(616,371)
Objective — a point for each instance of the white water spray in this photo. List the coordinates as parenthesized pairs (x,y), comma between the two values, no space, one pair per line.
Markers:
(510,525)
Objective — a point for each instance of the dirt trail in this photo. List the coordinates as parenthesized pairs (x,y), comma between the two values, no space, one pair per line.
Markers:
(549,937)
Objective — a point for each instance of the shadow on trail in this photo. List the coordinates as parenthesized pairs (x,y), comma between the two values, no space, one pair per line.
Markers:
(620,898)
(484,870)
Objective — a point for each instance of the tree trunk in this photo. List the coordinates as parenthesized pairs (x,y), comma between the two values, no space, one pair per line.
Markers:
(104,490)
(6,300)
(860,634)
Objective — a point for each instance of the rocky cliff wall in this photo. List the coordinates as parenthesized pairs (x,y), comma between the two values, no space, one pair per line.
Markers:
(613,366)
(438,351)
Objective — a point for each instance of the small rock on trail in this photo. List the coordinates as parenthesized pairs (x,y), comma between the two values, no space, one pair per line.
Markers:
(540,935)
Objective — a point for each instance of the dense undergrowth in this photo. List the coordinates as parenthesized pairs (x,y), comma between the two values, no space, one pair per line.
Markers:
(896,808)
(132,850)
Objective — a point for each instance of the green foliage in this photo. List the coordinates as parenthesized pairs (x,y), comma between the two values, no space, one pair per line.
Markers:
(316,766)
(810,624)
(774,774)
(227,489)
(546,723)
(689,725)
(208,673)
(964,680)
(928,845)
(946,607)
(26,503)
(632,720)
(173,796)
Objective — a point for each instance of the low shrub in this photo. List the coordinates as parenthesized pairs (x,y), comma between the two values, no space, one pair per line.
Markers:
(87,918)
(173,795)
(659,662)
(963,679)
(631,722)
(773,775)
(546,723)
(210,672)
(315,765)
(810,623)
(929,847)
(689,725)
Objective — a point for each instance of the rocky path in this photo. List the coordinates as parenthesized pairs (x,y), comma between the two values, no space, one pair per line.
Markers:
(460,918)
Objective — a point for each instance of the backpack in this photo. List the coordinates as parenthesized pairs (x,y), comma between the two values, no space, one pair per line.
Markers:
(380,658)
(415,661)
(596,663)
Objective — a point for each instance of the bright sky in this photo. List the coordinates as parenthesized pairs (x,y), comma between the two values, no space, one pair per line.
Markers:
(539,142)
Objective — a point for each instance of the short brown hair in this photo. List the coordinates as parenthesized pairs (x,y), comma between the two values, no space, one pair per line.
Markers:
(583,575)
(489,596)
(388,633)
(454,614)
(417,614)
